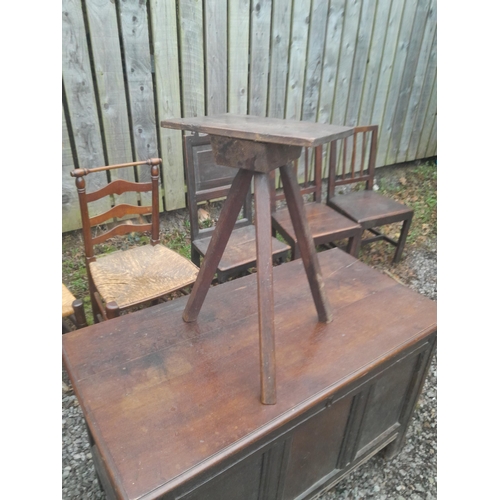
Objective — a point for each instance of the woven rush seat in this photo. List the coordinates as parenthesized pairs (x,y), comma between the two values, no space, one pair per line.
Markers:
(67,302)
(133,276)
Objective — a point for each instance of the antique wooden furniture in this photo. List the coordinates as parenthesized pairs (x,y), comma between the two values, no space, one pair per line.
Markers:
(72,309)
(139,275)
(208,181)
(173,411)
(369,209)
(327,225)
(257,146)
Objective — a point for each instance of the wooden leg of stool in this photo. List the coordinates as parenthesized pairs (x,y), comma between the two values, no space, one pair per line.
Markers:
(265,288)
(305,242)
(218,242)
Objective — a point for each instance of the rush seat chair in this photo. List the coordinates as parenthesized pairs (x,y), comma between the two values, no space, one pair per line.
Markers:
(138,275)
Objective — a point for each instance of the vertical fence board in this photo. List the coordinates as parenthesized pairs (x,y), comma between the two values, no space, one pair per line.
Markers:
(238,33)
(403,42)
(425,98)
(79,90)
(192,58)
(384,79)
(432,145)
(427,129)
(166,74)
(374,64)
(70,208)
(259,56)
(333,38)
(424,76)
(216,55)
(280,42)
(297,64)
(315,51)
(330,61)
(135,34)
(407,79)
(357,79)
(103,27)
(346,61)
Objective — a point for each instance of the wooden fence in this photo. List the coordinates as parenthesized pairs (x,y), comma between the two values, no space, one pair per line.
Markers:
(128,64)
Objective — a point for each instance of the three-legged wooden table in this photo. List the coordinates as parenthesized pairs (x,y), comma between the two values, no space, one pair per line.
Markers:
(257,146)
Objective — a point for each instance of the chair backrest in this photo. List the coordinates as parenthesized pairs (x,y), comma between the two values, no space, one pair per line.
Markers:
(121,210)
(208,181)
(352,159)
(311,182)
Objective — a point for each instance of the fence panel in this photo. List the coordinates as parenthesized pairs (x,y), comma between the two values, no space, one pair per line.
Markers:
(129,64)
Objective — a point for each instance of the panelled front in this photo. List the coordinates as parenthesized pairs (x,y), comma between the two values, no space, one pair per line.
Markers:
(330,439)
(315,448)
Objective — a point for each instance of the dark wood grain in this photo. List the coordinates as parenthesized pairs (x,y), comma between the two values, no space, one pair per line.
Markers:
(166,401)
(367,208)
(206,180)
(265,295)
(218,242)
(262,129)
(305,242)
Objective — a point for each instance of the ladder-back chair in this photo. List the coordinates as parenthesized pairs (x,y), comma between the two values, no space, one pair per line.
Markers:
(139,275)
(208,181)
(327,226)
(352,160)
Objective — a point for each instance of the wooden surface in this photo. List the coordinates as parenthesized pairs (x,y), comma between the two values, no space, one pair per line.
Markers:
(254,128)
(326,225)
(367,207)
(166,400)
(240,251)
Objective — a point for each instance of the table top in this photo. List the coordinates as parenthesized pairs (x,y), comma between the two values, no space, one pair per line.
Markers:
(262,129)
(165,399)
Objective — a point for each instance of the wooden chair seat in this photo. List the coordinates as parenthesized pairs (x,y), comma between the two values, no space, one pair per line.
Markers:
(133,276)
(240,252)
(323,223)
(369,208)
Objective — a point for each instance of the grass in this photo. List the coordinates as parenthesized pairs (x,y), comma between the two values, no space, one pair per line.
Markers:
(415,186)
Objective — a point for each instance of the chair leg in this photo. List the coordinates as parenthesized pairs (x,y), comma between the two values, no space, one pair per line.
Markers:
(195,257)
(402,240)
(93,301)
(80,319)
(295,251)
(112,310)
(353,244)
